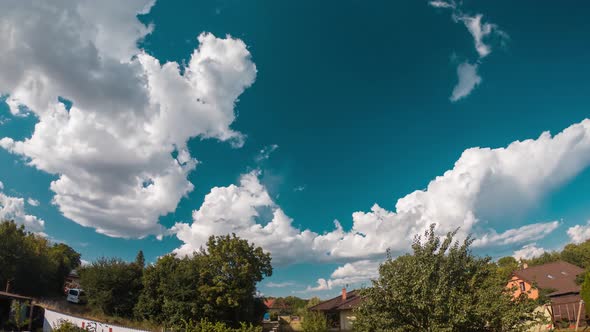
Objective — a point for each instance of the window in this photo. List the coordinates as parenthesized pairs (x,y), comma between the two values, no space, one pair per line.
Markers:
(73,292)
(522,286)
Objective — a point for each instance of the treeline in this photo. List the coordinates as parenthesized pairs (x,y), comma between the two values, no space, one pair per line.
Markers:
(216,284)
(30,264)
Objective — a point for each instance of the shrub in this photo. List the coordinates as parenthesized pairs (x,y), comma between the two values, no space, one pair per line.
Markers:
(314,321)
(207,326)
(67,326)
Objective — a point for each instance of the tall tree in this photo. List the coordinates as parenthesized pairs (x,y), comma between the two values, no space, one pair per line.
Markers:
(441,286)
(217,283)
(140,260)
(32,264)
(113,286)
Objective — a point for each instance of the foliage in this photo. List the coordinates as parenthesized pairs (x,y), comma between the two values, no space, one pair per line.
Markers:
(577,254)
(207,326)
(506,266)
(585,292)
(140,260)
(32,264)
(442,286)
(67,326)
(19,314)
(314,321)
(546,257)
(217,284)
(112,286)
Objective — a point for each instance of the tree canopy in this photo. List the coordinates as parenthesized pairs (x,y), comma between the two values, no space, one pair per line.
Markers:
(113,286)
(217,283)
(441,286)
(31,263)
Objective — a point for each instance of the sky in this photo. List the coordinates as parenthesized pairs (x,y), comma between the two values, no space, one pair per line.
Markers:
(326,132)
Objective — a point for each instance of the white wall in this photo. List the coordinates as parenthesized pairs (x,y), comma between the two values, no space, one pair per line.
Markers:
(347,318)
(53,318)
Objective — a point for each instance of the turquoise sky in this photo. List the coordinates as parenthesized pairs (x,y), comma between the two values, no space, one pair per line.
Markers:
(352,102)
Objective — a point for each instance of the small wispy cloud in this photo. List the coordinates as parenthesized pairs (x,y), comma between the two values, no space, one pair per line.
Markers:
(280,284)
(468,79)
(299,188)
(481,32)
(33,202)
(265,152)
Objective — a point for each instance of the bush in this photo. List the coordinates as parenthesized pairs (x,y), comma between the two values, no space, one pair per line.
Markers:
(207,326)
(67,326)
(314,321)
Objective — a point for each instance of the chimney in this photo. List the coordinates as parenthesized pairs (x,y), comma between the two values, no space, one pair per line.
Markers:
(343,294)
(525,265)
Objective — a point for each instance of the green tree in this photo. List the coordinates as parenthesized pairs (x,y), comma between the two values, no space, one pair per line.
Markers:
(217,283)
(313,321)
(140,260)
(113,286)
(577,254)
(32,264)
(506,266)
(546,257)
(441,286)
(585,292)
(65,259)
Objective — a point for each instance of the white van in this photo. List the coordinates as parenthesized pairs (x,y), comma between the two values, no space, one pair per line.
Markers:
(76,295)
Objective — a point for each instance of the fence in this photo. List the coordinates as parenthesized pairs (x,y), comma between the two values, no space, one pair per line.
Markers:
(569,313)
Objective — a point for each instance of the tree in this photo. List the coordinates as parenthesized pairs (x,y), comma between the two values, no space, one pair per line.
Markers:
(506,266)
(441,286)
(140,260)
(113,286)
(65,259)
(217,283)
(314,321)
(585,292)
(32,264)
(577,254)
(544,258)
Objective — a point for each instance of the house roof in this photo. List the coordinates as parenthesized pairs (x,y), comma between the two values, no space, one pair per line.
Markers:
(272,303)
(352,301)
(559,276)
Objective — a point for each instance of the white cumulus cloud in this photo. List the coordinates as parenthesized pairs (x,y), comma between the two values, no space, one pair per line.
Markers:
(13,208)
(529,251)
(579,233)
(113,150)
(482,181)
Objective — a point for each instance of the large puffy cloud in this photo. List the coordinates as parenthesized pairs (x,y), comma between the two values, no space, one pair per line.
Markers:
(482,182)
(113,150)
(579,233)
(13,208)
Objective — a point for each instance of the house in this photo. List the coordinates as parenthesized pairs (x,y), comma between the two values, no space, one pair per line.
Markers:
(276,305)
(339,310)
(557,280)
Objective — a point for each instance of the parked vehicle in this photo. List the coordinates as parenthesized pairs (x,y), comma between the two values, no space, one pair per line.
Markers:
(76,295)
